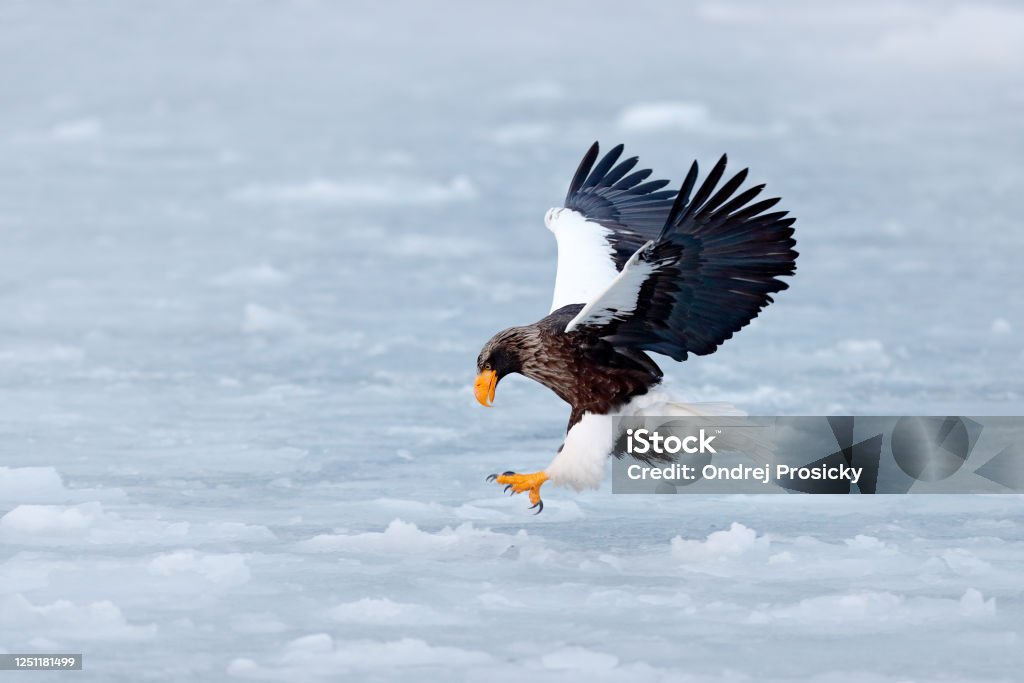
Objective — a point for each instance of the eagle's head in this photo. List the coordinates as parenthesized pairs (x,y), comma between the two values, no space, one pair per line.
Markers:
(505,353)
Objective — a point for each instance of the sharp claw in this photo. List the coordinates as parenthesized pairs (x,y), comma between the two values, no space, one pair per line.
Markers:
(538,506)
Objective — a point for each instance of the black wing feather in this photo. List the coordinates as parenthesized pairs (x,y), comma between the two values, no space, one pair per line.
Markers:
(622,169)
(633,179)
(582,171)
(631,207)
(603,166)
(716,262)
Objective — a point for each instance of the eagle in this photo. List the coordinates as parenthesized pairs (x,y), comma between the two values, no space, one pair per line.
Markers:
(641,269)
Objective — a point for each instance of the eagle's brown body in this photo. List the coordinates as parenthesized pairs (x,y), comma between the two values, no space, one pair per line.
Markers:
(585,371)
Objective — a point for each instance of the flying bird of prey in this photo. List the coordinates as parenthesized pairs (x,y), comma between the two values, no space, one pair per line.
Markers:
(640,269)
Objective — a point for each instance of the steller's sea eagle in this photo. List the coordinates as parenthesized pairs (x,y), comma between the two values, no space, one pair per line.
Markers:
(640,269)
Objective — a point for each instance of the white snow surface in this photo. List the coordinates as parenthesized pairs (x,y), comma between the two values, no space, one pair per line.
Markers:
(251,250)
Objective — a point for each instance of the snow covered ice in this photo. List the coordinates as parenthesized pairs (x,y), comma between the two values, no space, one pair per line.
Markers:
(250,252)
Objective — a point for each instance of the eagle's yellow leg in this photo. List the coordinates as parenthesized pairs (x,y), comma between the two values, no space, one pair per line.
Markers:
(518,483)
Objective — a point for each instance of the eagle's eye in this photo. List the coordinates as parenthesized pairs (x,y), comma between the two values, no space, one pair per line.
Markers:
(487,366)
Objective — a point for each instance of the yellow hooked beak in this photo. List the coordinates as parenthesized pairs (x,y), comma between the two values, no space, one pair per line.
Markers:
(486,381)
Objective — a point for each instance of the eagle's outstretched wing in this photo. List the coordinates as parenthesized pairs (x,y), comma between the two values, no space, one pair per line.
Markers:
(610,211)
(710,270)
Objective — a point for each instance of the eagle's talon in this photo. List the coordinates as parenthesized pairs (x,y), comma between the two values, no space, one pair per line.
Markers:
(492,477)
(522,483)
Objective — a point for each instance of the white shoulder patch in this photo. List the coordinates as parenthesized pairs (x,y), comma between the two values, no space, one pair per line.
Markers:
(585,258)
(620,296)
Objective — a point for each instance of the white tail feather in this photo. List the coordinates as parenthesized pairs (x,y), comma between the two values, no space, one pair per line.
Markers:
(581,462)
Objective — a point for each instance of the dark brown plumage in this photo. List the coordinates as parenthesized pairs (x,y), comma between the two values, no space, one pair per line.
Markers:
(585,371)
